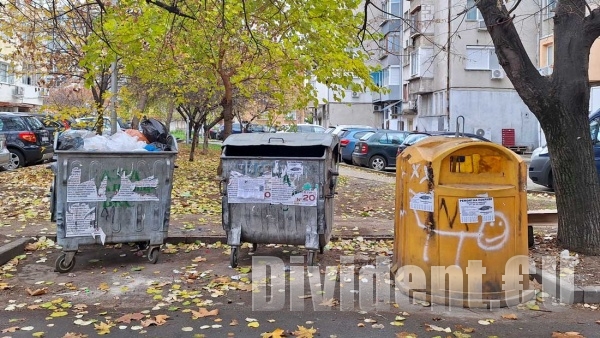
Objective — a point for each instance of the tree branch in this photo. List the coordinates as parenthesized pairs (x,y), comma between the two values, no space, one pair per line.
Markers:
(171,9)
(592,25)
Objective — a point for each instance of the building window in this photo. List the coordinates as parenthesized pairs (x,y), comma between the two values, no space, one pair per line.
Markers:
(291,116)
(393,9)
(549,8)
(414,63)
(481,58)
(5,75)
(376,76)
(393,43)
(473,13)
(406,21)
(550,55)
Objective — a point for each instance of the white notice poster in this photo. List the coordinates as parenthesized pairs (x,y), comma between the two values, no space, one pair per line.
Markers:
(471,208)
(422,201)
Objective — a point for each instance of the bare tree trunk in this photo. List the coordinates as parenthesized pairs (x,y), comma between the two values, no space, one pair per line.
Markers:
(560,102)
(196,134)
(227,104)
(205,143)
(170,109)
(141,107)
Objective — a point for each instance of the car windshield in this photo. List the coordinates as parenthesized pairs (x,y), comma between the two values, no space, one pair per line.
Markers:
(329,130)
(35,123)
(367,136)
(413,138)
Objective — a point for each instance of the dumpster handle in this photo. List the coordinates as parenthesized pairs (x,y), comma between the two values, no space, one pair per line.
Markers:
(276,138)
(221,186)
(64,180)
(168,178)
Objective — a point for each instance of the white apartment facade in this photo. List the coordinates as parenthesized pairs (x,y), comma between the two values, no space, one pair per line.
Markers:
(20,90)
(450,69)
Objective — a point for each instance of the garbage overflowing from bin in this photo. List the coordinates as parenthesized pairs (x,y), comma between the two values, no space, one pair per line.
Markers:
(112,189)
(279,190)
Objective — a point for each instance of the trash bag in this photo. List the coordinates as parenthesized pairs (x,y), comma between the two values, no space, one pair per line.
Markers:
(69,140)
(154,130)
(136,133)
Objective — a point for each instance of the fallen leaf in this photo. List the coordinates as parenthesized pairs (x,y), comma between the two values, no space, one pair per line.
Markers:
(11,329)
(304,332)
(329,302)
(74,335)
(429,327)
(103,286)
(5,286)
(253,324)
(187,329)
(305,296)
(161,319)
(234,322)
(486,321)
(127,318)
(405,335)
(37,292)
(199,259)
(510,316)
(31,247)
(38,334)
(377,326)
(102,328)
(202,312)
(277,333)
(570,334)
(57,314)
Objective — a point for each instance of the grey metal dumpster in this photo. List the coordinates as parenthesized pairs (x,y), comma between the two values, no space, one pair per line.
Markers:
(279,189)
(111,197)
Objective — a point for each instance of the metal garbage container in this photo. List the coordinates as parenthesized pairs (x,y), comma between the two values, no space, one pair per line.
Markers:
(111,197)
(461,206)
(279,189)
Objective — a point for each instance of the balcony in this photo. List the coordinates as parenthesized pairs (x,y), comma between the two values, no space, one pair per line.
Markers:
(420,86)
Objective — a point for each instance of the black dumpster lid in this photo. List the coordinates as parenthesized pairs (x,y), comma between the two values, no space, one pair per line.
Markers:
(282,139)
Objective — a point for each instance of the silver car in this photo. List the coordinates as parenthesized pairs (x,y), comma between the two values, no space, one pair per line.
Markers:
(4,153)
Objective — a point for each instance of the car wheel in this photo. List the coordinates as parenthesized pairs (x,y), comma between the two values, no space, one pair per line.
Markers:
(16,160)
(377,163)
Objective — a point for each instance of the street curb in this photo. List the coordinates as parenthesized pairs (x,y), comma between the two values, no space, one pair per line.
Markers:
(385,173)
(14,248)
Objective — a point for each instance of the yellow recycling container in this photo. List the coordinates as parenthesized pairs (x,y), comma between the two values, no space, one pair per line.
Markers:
(461,223)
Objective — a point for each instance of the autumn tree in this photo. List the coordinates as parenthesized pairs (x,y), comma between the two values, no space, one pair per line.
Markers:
(54,37)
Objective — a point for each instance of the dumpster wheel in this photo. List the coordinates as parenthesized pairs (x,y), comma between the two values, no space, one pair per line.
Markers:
(233,257)
(61,265)
(153,253)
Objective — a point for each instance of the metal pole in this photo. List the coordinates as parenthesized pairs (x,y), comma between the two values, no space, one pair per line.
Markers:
(113,99)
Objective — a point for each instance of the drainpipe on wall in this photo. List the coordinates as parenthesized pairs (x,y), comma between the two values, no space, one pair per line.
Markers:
(448,65)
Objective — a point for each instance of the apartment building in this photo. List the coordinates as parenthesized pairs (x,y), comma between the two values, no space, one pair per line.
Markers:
(19,85)
(546,50)
(450,69)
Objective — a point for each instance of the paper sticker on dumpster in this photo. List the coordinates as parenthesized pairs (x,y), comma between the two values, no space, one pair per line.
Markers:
(80,220)
(78,191)
(422,201)
(295,168)
(251,188)
(471,208)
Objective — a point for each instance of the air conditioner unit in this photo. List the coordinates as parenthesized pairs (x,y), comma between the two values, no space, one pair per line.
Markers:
(481,25)
(43,92)
(497,74)
(18,91)
(355,94)
(483,132)
(377,107)
(545,71)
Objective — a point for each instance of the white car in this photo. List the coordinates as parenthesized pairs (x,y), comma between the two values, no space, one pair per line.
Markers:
(4,153)
(337,129)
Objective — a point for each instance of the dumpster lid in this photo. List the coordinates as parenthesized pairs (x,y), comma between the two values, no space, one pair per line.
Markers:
(282,139)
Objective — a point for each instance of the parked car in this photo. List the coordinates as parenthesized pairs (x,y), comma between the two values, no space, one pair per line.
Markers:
(377,149)
(52,123)
(4,153)
(27,140)
(337,129)
(303,128)
(89,123)
(540,170)
(236,128)
(348,138)
(415,137)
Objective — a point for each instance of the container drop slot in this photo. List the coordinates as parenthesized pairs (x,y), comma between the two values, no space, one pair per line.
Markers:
(275,151)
